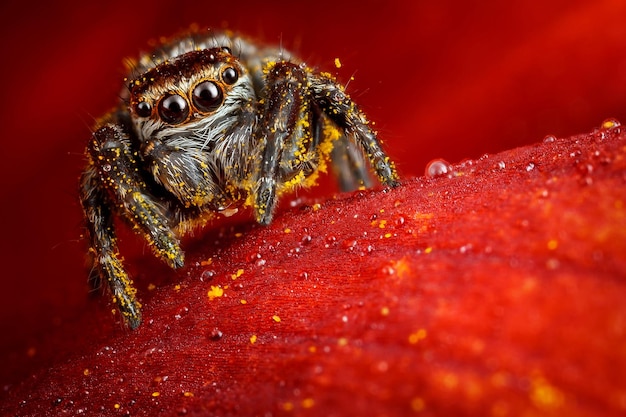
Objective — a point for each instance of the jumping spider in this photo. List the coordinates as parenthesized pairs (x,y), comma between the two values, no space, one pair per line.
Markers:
(208,123)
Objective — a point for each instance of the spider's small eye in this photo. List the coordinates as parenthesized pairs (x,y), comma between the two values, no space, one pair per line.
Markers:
(143,109)
(230,76)
(207,96)
(173,109)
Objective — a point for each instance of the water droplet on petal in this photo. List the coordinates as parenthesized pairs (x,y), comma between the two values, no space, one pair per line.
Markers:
(253,256)
(438,168)
(207,275)
(349,244)
(399,221)
(215,334)
(610,123)
(530,166)
(181,311)
(330,240)
(387,270)
(549,139)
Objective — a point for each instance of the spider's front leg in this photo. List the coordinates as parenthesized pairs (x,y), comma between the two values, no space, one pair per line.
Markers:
(345,114)
(112,183)
(284,107)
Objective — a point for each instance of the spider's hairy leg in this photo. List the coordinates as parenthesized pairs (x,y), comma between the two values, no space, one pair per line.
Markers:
(286,83)
(111,184)
(331,98)
(118,168)
(349,165)
(104,248)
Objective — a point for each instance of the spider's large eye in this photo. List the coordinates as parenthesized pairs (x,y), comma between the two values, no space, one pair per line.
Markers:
(143,109)
(173,109)
(207,96)
(230,76)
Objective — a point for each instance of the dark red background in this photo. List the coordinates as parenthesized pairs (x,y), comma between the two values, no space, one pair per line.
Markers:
(440,79)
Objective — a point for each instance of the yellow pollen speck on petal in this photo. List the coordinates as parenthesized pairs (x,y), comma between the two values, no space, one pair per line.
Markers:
(276,318)
(415,337)
(553,244)
(156,394)
(188,394)
(384,311)
(308,403)
(237,274)
(151,287)
(428,250)
(215,292)
(253,339)
(288,406)
(242,301)
(337,63)
(417,404)
(544,395)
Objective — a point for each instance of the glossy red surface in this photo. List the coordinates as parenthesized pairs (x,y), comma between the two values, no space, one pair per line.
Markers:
(441,80)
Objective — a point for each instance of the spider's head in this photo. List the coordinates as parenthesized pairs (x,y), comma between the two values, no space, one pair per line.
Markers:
(192,97)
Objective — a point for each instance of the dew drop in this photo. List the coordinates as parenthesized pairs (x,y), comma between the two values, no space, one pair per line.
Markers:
(349,244)
(549,139)
(399,221)
(387,270)
(501,165)
(306,239)
(215,334)
(584,167)
(610,123)
(181,311)
(530,166)
(438,168)
(253,256)
(207,275)
(106,168)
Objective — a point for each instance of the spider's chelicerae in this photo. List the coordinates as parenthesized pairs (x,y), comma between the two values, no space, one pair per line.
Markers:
(208,123)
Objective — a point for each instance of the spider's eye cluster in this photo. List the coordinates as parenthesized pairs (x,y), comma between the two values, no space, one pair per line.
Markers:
(205,97)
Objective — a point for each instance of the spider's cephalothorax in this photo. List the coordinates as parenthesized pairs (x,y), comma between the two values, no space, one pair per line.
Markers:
(209,123)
